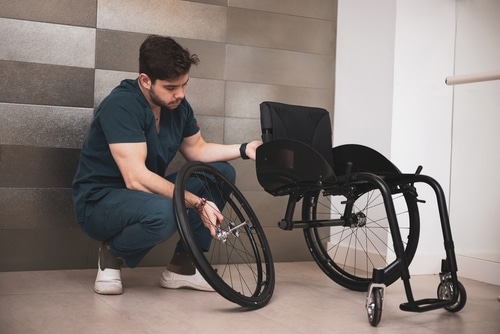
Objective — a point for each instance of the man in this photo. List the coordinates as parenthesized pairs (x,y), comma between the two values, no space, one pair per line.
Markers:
(120,194)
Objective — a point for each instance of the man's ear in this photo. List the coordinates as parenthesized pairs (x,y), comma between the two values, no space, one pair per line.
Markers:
(145,81)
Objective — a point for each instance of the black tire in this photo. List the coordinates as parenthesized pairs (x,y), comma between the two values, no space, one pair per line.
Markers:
(374,307)
(446,291)
(348,254)
(241,269)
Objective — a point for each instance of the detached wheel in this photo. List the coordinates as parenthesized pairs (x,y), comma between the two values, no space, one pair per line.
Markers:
(239,264)
(446,291)
(374,306)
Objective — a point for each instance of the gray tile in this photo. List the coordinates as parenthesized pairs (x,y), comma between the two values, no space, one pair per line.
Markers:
(106,81)
(178,18)
(206,96)
(246,178)
(47,43)
(47,84)
(243,98)
(43,126)
(119,51)
(240,130)
(36,208)
(212,58)
(278,67)
(262,203)
(37,167)
(161,254)
(319,9)
(71,12)
(40,249)
(212,128)
(271,30)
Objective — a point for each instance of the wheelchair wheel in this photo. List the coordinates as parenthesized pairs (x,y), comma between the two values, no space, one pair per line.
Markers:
(239,265)
(446,291)
(348,253)
(374,306)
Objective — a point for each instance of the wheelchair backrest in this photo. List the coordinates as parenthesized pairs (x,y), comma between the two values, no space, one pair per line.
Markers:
(297,149)
(308,125)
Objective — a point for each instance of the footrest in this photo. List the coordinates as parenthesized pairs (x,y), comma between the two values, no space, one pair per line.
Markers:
(424,305)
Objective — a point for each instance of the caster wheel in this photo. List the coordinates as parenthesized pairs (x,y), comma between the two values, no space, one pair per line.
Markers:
(374,306)
(446,291)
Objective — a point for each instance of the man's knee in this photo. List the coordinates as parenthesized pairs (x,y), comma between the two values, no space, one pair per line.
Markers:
(161,222)
(227,170)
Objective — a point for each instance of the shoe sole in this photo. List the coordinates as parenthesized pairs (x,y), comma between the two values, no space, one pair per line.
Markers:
(184,285)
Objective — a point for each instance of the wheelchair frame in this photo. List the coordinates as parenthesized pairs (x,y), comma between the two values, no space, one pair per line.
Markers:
(282,174)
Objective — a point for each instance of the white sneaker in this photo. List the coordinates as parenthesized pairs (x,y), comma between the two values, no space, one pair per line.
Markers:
(171,280)
(108,280)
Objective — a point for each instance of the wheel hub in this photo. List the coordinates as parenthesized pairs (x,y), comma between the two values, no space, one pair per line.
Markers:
(357,220)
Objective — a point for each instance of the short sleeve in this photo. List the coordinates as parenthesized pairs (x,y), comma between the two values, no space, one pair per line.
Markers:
(191,126)
(123,119)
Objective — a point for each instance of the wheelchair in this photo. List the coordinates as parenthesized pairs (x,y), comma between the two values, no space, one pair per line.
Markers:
(359,215)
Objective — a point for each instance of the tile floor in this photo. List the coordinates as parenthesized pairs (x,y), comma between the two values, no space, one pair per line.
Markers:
(305,301)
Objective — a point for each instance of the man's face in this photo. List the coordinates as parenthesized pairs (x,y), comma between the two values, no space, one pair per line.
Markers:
(168,94)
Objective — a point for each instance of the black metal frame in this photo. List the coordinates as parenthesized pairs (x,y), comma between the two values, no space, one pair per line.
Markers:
(286,166)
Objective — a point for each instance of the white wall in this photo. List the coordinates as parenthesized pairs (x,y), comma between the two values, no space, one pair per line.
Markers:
(364,73)
(422,110)
(475,178)
(392,59)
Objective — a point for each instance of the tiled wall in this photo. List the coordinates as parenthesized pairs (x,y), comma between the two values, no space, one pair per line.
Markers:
(59,58)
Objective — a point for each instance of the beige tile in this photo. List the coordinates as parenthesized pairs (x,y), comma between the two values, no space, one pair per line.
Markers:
(42,313)
(42,43)
(238,130)
(72,12)
(243,98)
(206,96)
(212,58)
(246,178)
(320,9)
(106,81)
(271,30)
(177,18)
(278,67)
(211,128)
(304,301)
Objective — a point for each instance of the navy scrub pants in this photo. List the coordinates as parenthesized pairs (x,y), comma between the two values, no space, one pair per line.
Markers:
(133,222)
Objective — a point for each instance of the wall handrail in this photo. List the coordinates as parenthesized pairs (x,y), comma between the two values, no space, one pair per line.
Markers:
(471,78)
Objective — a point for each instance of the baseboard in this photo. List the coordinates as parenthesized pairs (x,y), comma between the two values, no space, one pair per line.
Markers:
(430,264)
(478,269)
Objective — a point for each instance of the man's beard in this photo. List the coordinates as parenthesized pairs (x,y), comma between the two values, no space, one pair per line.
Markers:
(160,103)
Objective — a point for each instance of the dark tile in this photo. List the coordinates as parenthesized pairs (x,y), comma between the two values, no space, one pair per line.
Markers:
(118,50)
(37,167)
(31,83)
(42,249)
(36,208)
(71,12)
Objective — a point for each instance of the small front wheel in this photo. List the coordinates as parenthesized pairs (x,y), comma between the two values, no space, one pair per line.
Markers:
(446,291)
(374,303)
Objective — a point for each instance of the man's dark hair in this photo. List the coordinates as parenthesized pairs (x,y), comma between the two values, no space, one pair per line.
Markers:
(164,59)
